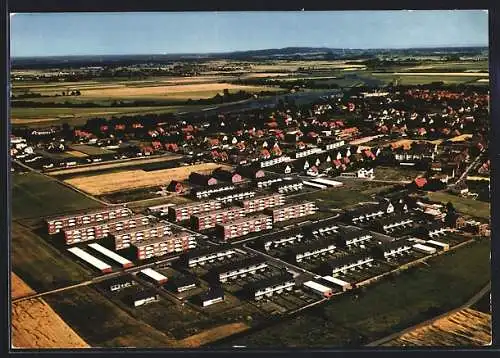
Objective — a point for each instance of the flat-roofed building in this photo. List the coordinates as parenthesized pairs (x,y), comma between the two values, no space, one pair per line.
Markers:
(291,211)
(392,249)
(201,257)
(212,296)
(212,190)
(184,211)
(275,284)
(233,196)
(57,223)
(244,226)
(100,230)
(93,261)
(289,237)
(153,276)
(241,268)
(259,203)
(207,220)
(123,239)
(344,264)
(348,237)
(162,245)
(287,186)
(313,248)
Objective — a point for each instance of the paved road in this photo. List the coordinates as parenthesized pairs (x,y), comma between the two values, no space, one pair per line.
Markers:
(467,304)
(96,279)
(472,165)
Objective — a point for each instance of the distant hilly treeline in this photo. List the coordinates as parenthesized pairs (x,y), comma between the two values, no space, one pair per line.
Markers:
(311,53)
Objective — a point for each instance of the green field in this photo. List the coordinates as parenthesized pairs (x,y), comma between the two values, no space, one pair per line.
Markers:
(103,324)
(39,264)
(34,195)
(38,114)
(351,193)
(421,79)
(385,307)
(475,208)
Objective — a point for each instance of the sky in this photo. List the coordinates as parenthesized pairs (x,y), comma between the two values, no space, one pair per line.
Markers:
(62,34)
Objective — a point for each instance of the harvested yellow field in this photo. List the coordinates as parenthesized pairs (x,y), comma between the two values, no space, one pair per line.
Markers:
(134,179)
(406,143)
(19,288)
(113,165)
(467,327)
(199,90)
(211,335)
(484,80)
(36,325)
(77,154)
(461,138)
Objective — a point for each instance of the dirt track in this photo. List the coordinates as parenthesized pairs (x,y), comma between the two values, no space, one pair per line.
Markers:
(211,335)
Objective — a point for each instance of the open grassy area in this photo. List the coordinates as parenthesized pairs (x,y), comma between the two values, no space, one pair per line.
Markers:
(420,79)
(49,115)
(103,324)
(41,265)
(34,195)
(475,208)
(385,307)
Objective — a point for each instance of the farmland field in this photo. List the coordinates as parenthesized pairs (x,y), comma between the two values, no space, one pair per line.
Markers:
(475,208)
(41,265)
(387,306)
(134,179)
(78,115)
(36,325)
(449,331)
(84,309)
(34,195)
(131,162)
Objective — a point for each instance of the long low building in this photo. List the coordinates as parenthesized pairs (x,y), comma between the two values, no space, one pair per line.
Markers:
(292,211)
(263,183)
(273,285)
(259,203)
(288,237)
(288,186)
(391,224)
(392,249)
(344,264)
(352,237)
(438,244)
(184,211)
(326,227)
(209,219)
(318,288)
(123,239)
(311,248)
(161,210)
(197,257)
(153,276)
(100,230)
(233,196)
(428,250)
(212,190)
(56,224)
(338,282)
(249,265)
(244,226)
(125,263)
(212,296)
(95,262)
(160,246)
(142,297)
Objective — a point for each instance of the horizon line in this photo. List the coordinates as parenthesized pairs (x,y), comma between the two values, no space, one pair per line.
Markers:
(262,49)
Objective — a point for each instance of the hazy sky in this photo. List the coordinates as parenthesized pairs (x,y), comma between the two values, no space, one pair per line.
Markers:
(49,34)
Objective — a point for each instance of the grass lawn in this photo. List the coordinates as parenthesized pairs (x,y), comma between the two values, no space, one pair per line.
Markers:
(395,173)
(39,264)
(340,197)
(103,324)
(475,208)
(385,307)
(34,195)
